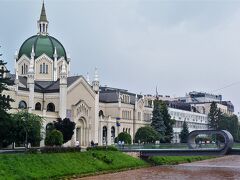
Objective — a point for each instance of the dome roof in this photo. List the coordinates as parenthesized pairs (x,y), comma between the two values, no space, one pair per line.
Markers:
(42,45)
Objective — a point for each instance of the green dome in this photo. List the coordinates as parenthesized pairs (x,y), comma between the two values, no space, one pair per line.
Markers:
(42,44)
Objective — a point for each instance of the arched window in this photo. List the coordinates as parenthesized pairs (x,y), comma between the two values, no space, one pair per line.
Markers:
(123,129)
(113,132)
(100,113)
(38,106)
(104,134)
(49,127)
(22,105)
(51,107)
(41,69)
(22,70)
(43,27)
(44,68)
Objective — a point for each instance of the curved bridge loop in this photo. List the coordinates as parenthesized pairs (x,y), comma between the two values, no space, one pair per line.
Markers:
(228,139)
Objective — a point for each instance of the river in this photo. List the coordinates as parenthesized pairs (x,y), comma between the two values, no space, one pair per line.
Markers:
(223,168)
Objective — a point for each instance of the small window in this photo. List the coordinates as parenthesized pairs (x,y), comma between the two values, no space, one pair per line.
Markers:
(22,105)
(41,69)
(100,113)
(51,107)
(46,69)
(38,106)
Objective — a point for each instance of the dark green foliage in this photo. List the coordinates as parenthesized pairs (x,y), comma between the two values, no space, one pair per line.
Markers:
(27,124)
(32,151)
(214,116)
(124,136)
(5,121)
(158,119)
(58,149)
(49,128)
(102,157)
(184,133)
(229,123)
(54,138)
(173,160)
(66,126)
(168,122)
(102,148)
(147,134)
(220,121)
(6,129)
(4,81)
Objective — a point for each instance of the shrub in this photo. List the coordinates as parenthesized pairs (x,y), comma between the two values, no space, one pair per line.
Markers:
(66,126)
(59,149)
(54,138)
(173,160)
(147,134)
(124,136)
(102,148)
(32,151)
(102,157)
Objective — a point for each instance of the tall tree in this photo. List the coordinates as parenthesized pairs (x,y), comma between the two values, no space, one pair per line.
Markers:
(184,133)
(66,126)
(27,127)
(146,134)
(229,123)
(5,120)
(168,122)
(214,116)
(158,119)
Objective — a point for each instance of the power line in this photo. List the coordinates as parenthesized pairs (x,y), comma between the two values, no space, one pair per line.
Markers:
(227,86)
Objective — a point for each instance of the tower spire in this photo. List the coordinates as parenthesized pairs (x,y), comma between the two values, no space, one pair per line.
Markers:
(43,16)
(43,22)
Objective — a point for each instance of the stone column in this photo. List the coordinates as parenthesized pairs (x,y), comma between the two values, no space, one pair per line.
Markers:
(100,134)
(109,134)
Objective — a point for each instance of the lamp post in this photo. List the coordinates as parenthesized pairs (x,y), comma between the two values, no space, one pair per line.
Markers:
(26,130)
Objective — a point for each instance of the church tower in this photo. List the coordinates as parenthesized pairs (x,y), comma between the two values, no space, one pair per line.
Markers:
(43,22)
(30,82)
(63,92)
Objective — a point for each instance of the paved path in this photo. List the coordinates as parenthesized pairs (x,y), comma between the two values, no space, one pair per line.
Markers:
(223,168)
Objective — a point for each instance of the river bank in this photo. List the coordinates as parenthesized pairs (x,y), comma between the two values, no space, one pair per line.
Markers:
(227,167)
(78,164)
(59,165)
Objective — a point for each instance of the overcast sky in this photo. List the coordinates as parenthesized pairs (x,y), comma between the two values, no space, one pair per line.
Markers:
(179,46)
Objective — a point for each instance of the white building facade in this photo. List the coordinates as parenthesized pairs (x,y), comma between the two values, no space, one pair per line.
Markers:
(43,86)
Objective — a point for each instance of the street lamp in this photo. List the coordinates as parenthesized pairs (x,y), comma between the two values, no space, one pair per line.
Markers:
(25,129)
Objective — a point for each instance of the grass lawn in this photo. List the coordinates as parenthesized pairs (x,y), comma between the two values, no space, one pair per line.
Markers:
(173,160)
(46,166)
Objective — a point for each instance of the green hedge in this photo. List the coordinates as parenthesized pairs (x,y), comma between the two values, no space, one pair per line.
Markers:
(55,137)
(101,148)
(173,160)
(59,149)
